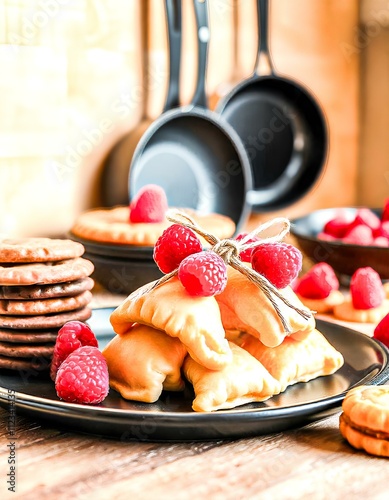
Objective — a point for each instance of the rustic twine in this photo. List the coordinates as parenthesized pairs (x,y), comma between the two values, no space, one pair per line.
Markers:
(229,249)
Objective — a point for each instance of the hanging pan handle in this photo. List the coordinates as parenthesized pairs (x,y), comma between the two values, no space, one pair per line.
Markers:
(174,31)
(202,28)
(263,65)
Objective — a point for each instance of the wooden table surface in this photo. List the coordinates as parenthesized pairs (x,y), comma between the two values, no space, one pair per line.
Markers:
(310,462)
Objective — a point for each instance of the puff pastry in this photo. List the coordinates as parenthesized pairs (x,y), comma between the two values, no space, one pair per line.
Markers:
(323,305)
(296,360)
(243,381)
(245,307)
(144,361)
(195,321)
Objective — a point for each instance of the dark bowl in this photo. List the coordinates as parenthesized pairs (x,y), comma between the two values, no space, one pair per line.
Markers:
(123,276)
(117,251)
(343,257)
(120,268)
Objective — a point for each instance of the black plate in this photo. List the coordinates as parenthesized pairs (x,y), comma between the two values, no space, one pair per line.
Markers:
(345,258)
(171,417)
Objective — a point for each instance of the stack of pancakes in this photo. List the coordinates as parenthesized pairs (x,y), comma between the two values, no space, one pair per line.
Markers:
(43,284)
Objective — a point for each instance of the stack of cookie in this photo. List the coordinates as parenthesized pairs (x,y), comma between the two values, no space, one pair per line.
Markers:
(43,284)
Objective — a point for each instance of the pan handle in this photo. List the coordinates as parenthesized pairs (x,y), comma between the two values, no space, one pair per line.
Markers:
(174,30)
(263,64)
(202,27)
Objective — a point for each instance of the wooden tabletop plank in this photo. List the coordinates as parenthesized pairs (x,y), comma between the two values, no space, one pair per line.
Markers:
(313,461)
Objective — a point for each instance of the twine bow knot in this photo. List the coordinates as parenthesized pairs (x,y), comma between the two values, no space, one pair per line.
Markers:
(229,250)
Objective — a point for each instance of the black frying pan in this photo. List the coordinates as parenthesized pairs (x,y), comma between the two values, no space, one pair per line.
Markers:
(194,155)
(114,185)
(282,126)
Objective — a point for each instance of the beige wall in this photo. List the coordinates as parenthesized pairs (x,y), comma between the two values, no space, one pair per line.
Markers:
(71,83)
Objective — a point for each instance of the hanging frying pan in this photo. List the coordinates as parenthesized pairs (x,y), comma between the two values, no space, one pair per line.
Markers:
(282,126)
(114,185)
(193,154)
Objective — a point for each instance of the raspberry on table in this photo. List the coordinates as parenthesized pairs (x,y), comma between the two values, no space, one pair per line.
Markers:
(366,289)
(318,282)
(203,274)
(381,331)
(149,204)
(280,263)
(83,377)
(71,336)
(245,255)
(175,243)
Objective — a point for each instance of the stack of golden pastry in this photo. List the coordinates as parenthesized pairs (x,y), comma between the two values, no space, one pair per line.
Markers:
(231,347)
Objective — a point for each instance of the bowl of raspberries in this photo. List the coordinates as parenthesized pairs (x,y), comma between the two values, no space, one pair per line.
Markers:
(346,238)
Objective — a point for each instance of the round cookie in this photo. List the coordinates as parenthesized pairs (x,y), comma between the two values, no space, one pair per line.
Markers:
(347,312)
(364,422)
(45,273)
(28,336)
(112,226)
(44,321)
(45,306)
(25,350)
(35,292)
(323,305)
(37,364)
(38,250)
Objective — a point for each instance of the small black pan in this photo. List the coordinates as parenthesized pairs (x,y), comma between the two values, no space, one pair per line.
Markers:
(282,126)
(114,184)
(193,154)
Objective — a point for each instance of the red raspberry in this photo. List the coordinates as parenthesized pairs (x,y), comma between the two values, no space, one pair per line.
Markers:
(337,227)
(359,235)
(385,211)
(71,336)
(318,282)
(380,241)
(326,237)
(83,377)
(366,217)
(203,274)
(383,230)
(245,255)
(149,205)
(280,263)
(175,243)
(381,331)
(366,289)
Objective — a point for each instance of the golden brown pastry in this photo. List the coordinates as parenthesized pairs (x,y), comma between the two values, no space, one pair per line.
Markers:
(323,305)
(195,321)
(144,361)
(347,312)
(296,360)
(245,307)
(243,381)
(112,225)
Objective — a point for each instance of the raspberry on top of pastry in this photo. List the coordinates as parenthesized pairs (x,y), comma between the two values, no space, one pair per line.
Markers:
(318,289)
(143,221)
(367,303)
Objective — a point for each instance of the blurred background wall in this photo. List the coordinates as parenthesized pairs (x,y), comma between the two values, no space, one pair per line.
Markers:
(74,78)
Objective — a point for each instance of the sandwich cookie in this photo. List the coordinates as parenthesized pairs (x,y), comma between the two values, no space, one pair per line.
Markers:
(364,422)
